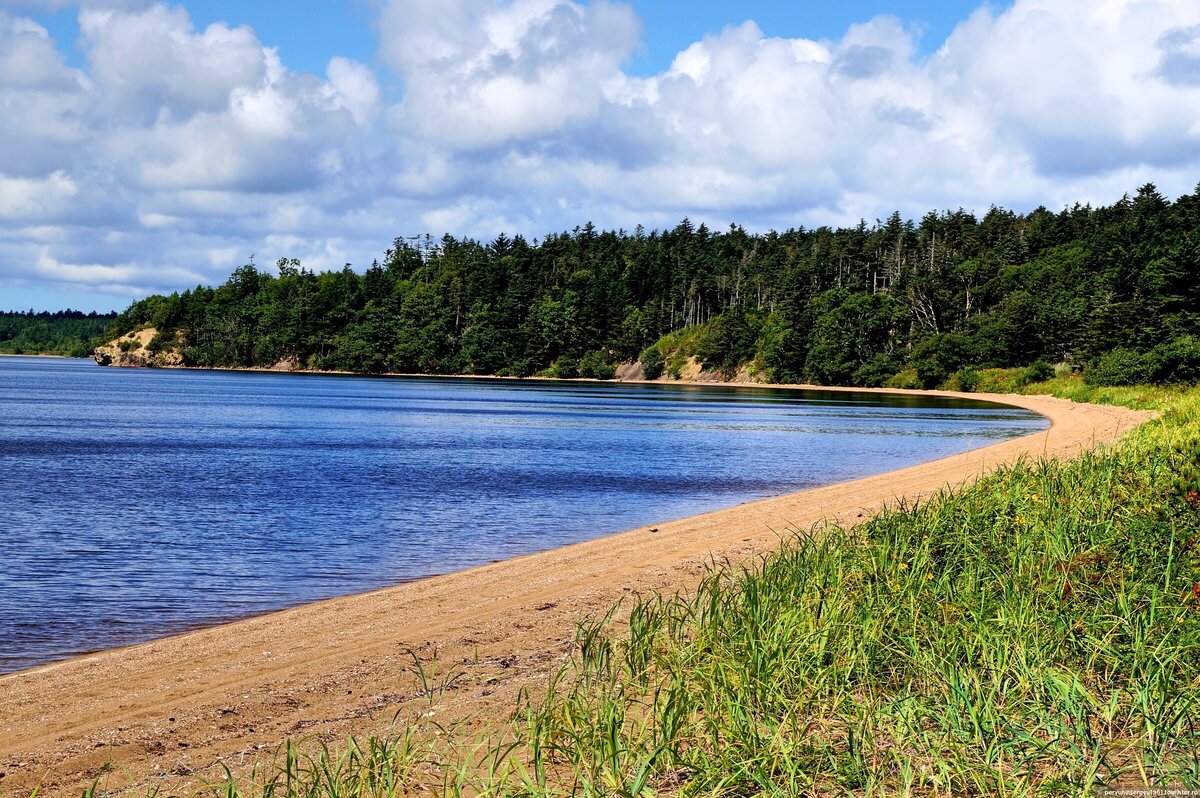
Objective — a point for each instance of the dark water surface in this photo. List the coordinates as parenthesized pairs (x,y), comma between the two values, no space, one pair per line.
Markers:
(135,503)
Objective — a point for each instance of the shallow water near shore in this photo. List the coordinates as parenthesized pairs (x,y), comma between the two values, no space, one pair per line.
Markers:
(137,503)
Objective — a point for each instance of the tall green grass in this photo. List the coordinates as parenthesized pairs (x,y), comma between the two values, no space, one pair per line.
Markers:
(1035,634)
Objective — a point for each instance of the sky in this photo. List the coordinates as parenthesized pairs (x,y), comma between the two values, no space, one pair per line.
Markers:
(151,146)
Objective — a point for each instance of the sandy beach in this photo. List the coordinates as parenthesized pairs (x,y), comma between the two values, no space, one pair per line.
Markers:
(179,707)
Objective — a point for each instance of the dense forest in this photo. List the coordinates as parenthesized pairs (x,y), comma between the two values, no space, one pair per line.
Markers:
(69,332)
(1114,291)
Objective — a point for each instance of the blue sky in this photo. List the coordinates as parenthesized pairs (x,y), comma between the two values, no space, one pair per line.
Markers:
(149,146)
(308,38)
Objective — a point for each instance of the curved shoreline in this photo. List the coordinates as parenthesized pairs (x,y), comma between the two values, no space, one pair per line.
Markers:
(186,702)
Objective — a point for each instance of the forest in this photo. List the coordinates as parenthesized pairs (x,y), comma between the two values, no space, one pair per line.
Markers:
(1111,291)
(69,332)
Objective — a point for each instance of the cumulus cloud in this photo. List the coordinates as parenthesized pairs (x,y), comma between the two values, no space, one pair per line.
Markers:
(168,141)
(175,152)
(478,73)
(1048,101)
(153,63)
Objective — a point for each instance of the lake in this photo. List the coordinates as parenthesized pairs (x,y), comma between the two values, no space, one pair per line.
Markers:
(137,503)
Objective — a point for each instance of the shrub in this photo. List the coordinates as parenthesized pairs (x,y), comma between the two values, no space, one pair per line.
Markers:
(997,380)
(1178,361)
(675,365)
(564,368)
(876,372)
(965,380)
(652,363)
(161,340)
(906,378)
(1038,371)
(520,369)
(594,365)
(1120,366)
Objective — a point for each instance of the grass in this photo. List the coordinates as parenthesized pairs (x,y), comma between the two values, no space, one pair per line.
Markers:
(1036,634)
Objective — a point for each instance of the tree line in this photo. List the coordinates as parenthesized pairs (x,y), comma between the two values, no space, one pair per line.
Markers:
(69,332)
(1112,290)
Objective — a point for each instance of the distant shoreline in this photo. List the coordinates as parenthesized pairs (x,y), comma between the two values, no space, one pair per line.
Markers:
(705,381)
(60,357)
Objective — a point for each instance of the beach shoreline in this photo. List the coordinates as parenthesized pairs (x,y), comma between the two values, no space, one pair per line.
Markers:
(705,380)
(186,703)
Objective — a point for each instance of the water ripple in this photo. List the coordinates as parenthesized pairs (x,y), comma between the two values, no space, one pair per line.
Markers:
(140,503)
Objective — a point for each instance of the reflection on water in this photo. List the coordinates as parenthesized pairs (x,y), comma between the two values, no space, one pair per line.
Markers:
(134,503)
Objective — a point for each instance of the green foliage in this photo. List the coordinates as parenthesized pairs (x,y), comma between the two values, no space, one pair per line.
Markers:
(161,341)
(849,306)
(1038,371)
(1120,366)
(782,348)
(966,379)
(906,379)
(652,363)
(1009,380)
(850,342)
(594,365)
(678,347)
(1175,362)
(70,333)
(1178,361)
(564,368)
(934,358)
(728,341)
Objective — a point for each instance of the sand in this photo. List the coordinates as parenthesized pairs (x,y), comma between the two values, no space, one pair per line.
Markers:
(229,694)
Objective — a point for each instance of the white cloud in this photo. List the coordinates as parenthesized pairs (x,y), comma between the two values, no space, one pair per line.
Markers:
(175,153)
(153,64)
(29,59)
(171,144)
(39,101)
(1049,101)
(480,73)
(353,86)
(31,198)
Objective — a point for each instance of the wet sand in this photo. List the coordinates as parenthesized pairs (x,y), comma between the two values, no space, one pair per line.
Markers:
(170,710)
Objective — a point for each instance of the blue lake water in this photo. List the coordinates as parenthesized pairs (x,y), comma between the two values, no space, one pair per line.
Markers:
(136,503)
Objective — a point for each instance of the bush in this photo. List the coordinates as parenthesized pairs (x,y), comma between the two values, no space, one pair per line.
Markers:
(564,368)
(906,378)
(128,345)
(997,380)
(876,372)
(161,340)
(652,363)
(1120,366)
(1038,371)
(675,365)
(595,366)
(1174,362)
(520,369)
(965,380)
(1178,361)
